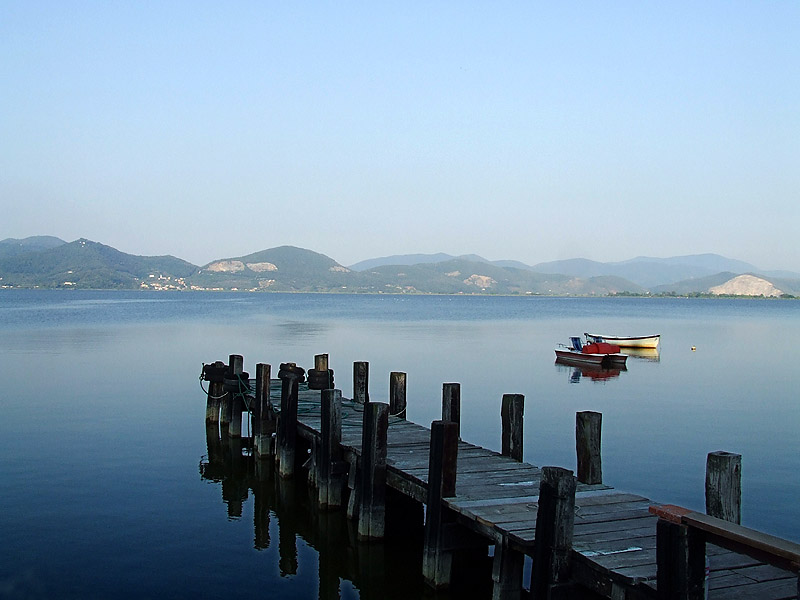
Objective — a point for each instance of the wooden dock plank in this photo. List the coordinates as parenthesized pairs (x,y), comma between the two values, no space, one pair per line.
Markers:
(614,537)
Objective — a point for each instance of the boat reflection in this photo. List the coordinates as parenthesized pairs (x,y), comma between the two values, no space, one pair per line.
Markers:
(648,354)
(593,373)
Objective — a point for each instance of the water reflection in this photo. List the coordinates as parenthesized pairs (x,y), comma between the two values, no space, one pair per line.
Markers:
(648,354)
(596,374)
(390,569)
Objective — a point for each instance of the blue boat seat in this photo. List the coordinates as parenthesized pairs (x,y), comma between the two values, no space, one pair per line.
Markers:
(576,343)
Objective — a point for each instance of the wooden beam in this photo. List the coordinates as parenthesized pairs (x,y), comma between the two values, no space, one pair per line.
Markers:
(397,394)
(555,523)
(361,382)
(287,424)
(724,486)
(588,428)
(511,414)
(443,456)
(451,404)
(330,468)
(372,493)
(263,413)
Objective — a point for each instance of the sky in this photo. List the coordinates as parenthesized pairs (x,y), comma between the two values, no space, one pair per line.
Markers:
(529,131)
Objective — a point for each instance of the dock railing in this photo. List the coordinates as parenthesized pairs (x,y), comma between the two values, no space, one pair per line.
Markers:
(682,535)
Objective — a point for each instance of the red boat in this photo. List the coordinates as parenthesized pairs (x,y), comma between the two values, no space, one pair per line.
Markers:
(598,354)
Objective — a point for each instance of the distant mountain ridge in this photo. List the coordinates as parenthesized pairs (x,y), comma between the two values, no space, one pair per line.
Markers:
(13,246)
(49,262)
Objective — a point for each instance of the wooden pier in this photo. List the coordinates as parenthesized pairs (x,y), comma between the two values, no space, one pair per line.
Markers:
(576,536)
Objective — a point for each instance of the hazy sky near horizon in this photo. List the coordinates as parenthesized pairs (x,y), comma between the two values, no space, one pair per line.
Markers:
(514,130)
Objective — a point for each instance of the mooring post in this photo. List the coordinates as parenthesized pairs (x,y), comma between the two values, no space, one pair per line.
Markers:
(361,382)
(437,561)
(331,467)
(508,567)
(287,424)
(321,362)
(724,486)
(372,499)
(236,410)
(511,414)
(451,405)
(588,427)
(215,393)
(397,394)
(263,414)
(235,367)
(555,523)
(680,556)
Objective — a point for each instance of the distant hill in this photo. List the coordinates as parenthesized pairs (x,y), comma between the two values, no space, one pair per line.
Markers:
(14,247)
(400,259)
(87,264)
(648,271)
(735,284)
(285,268)
(461,276)
(48,262)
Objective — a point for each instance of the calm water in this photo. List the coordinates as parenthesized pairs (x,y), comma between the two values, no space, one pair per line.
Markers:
(102,430)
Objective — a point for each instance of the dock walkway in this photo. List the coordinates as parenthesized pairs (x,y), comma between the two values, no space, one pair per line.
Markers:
(614,538)
(612,548)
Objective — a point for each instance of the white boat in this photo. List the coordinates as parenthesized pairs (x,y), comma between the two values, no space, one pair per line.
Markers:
(598,354)
(634,341)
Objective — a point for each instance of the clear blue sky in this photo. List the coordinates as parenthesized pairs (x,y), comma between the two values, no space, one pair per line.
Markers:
(515,130)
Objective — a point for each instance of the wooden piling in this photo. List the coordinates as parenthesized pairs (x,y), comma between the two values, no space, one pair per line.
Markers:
(451,405)
(321,362)
(724,486)
(372,496)
(437,560)
(235,367)
(236,411)
(588,426)
(555,523)
(512,413)
(263,414)
(680,561)
(397,394)
(361,382)
(287,424)
(507,572)
(331,468)
(214,398)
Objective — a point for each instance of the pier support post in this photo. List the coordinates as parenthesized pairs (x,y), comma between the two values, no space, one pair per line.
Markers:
(214,400)
(287,424)
(263,414)
(331,466)
(437,561)
(235,367)
(555,523)
(511,413)
(680,557)
(588,427)
(321,362)
(361,382)
(397,394)
(451,405)
(724,486)
(372,497)
(507,572)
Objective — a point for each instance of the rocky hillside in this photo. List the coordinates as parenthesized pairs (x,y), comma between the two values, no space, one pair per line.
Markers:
(52,263)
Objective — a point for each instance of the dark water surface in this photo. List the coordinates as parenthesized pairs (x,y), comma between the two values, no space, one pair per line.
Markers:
(102,436)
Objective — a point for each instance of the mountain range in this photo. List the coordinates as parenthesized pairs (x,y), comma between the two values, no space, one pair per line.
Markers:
(49,262)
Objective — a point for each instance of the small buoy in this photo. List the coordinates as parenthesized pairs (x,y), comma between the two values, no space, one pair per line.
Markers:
(693,348)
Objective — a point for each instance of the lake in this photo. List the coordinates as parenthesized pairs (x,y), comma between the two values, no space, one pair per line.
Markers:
(102,435)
